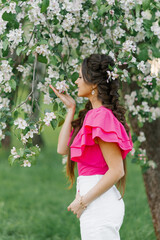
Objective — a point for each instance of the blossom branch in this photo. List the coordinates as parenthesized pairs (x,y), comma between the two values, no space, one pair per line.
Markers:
(33,81)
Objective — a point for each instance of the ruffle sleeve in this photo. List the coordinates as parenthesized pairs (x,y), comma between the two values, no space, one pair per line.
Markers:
(101,122)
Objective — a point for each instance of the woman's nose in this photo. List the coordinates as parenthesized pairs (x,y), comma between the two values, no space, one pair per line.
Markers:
(76,82)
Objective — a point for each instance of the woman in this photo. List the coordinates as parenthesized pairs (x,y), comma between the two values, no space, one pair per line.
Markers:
(99,142)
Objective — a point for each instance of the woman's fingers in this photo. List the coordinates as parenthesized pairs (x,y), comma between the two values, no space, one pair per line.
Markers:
(54,90)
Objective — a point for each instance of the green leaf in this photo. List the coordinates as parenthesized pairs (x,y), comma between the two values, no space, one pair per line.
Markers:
(12,84)
(53,60)
(54,123)
(19,50)
(60,121)
(55,106)
(42,59)
(11,159)
(74,76)
(146,4)
(20,152)
(8,17)
(5,44)
(156,52)
(98,3)
(45,5)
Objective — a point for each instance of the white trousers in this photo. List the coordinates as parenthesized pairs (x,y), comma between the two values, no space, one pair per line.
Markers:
(104,216)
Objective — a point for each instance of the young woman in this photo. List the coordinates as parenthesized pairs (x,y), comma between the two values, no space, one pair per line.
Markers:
(98,140)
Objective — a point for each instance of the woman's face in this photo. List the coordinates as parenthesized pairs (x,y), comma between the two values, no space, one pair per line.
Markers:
(84,89)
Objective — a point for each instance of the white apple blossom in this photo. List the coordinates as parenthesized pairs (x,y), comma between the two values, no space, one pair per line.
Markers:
(146,14)
(145,106)
(26,163)
(2,136)
(15,37)
(2,23)
(4,102)
(11,8)
(111,2)
(62,86)
(156,29)
(47,99)
(64,159)
(48,117)
(157,14)
(138,26)
(14,153)
(141,66)
(86,17)
(132,151)
(52,74)
(141,137)
(43,50)
(22,124)
(152,164)
(128,46)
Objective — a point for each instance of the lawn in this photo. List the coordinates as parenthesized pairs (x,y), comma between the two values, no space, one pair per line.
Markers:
(33,201)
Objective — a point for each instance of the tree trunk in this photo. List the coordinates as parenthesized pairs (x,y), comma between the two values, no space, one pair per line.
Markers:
(151,176)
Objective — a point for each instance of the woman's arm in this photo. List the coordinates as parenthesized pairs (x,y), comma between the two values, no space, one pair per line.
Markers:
(64,134)
(113,158)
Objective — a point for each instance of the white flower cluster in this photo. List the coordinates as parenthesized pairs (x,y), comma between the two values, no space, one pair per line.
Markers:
(146,14)
(129,46)
(152,164)
(2,136)
(141,137)
(5,75)
(142,156)
(52,74)
(26,163)
(34,14)
(130,100)
(4,102)
(15,37)
(64,159)
(11,8)
(29,134)
(127,4)
(21,123)
(68,22)
(62,86)
(118,32)
(112,75)
(2,23)
(156,29)
(142,67)
(48,117)
(43,50)
(14,153)
(53,9)
(26,71)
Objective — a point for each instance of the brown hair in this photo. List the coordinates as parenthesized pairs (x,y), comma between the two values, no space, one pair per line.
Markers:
(94,71)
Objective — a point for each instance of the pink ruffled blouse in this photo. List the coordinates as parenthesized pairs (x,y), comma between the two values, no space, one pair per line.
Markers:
(98,122)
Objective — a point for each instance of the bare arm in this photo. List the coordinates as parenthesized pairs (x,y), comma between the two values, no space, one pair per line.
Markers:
(63,138)
(113,158)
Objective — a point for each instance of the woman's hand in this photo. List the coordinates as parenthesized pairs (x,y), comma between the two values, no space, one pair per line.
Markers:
(75,206)
(66,99)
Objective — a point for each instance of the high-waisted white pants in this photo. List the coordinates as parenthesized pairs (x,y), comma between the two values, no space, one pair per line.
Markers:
(104,216)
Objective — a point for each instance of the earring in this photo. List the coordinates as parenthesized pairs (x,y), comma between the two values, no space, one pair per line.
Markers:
(93,92)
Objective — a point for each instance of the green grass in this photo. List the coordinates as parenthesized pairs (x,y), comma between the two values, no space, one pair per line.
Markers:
(33,201)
